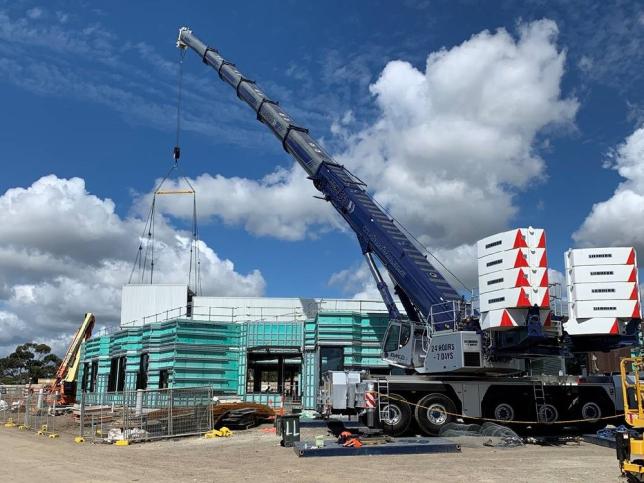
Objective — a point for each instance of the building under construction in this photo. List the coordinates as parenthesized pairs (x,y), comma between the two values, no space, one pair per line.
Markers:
(259,349)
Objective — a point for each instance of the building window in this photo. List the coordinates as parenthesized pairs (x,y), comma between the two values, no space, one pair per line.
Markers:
(495,281)
(93,376)
(142,375)
(496,300)
(116,378)
(494,244)
(600,255)
(606,272)
(274,373)
(85,380)
(164,378)
(493,262)
(90,373)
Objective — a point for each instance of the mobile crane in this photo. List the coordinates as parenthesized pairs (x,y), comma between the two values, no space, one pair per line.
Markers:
(484,376)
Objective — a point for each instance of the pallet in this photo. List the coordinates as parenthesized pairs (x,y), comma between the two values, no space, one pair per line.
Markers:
(397,446)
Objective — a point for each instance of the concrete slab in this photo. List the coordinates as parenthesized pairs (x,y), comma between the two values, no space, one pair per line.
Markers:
(398,446)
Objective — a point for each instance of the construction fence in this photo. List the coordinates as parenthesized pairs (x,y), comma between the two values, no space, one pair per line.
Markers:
(144,415)
(30,409)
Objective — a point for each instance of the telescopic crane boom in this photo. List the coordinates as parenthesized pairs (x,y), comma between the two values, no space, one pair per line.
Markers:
(432,306)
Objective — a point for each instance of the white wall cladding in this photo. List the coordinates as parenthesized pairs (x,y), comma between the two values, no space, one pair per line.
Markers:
(145,303)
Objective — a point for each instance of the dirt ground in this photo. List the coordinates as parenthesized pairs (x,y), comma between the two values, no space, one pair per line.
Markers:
(256,455)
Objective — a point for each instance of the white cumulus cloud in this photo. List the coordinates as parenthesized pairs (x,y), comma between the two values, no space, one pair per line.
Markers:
(64,252)
(618,220)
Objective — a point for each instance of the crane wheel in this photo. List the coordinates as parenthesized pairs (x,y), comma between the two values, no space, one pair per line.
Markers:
(504,412)
(590,411)
(433,412)
(547,413)
(395,415)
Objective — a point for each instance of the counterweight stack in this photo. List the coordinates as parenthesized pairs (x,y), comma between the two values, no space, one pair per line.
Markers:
(603,290)
(513,278)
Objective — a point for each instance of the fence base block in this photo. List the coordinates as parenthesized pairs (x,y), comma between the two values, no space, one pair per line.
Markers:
(122,442)
(79,439)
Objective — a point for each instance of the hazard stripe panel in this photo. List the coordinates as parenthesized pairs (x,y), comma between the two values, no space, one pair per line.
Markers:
(595,326)
(586,309)
(601,256)
(604,291)
(504,319)
(513,278)
(514,298)
(509,240)
(517,258)
(603,273)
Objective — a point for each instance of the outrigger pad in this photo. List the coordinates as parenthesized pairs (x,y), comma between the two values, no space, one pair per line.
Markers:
(398,446)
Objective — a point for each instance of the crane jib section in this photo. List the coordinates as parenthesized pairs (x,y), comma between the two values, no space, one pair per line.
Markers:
(377,233)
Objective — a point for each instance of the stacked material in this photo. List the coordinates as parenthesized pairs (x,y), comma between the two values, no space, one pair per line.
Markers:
(513,276)
(603,290)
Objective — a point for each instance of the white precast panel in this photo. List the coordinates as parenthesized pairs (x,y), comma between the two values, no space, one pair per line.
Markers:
(242,309)
(512,278)
(509,240)
(603,291)
(588,309)
(514,298)
(520,257)
(601,256)
(146,303)
(601,273)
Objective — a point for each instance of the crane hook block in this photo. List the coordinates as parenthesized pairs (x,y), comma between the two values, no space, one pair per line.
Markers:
(176,153)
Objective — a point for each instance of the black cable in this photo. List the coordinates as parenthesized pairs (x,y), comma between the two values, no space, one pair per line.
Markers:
(177,149)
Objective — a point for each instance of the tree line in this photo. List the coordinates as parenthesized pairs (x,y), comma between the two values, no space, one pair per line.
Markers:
(28,363)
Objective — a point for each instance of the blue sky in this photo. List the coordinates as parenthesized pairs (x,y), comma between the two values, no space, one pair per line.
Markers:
(88,91)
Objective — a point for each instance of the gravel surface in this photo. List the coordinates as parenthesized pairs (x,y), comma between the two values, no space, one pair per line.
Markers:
(255,455)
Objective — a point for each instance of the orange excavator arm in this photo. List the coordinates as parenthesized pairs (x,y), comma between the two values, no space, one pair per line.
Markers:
(68,370)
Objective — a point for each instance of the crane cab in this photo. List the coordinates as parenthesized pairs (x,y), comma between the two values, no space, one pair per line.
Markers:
(398,344)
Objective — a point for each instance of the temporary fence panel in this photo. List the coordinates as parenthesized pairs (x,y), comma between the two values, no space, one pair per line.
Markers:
(143,415)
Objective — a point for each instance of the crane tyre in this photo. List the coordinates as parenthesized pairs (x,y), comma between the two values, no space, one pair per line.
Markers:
(503,411)
(396,414)
(433,412)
